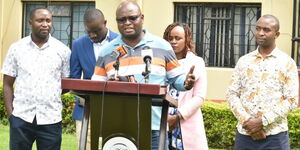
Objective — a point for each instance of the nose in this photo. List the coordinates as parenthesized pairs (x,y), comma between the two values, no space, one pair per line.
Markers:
(44,23)
(261,32)
(127,21)
(173,41)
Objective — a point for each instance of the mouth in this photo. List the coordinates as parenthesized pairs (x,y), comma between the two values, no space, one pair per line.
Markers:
(128,29)
(260,39)
(44,31)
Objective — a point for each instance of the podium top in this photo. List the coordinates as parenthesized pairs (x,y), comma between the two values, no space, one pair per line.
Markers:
(113,87)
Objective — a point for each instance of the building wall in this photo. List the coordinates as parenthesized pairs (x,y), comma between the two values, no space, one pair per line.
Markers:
(1,29)
(108,7)
(158,14)
(10,25)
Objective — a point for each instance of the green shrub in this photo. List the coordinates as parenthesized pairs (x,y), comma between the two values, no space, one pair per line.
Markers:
(294,127)
(220,125)
(68,124)
(3,114)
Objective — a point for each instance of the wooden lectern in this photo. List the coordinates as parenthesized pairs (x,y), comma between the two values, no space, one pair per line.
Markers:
(119,112)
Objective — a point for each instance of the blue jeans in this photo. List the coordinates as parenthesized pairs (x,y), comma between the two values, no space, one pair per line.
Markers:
(279,141)
(155,140)
(23,134)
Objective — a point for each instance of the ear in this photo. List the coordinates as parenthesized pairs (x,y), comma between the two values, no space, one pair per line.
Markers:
(30,21)
(277,34)
(104,22)
(142,17)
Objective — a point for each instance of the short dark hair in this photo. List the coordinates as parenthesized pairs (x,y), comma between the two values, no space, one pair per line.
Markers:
(35,9)
(92,14)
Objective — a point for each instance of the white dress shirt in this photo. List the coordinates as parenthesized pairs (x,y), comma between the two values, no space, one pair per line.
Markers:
(38,73)
(99,46)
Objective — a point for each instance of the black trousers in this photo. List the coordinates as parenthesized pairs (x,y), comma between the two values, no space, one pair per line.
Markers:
(273,142)
(23,135)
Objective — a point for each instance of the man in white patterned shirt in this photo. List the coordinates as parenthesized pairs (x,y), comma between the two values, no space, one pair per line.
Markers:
(36,65)
(263,90)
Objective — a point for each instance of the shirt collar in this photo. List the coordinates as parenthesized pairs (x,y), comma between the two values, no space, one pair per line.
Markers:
(145,40)
(106,37)
(104,40)
(33,45)
(275,53)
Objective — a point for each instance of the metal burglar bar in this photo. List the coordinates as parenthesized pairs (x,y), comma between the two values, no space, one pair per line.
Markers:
(67,19)
(222,32)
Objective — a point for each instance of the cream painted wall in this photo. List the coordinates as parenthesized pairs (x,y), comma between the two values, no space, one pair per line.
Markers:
(218,82)
(153,14)
(283,10)
(109,7)
(1,30)
(158,14)
(11,24)
(218,78)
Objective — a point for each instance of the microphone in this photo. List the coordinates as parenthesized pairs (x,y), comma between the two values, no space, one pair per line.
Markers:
(147,54)
(147,59)
(119,52)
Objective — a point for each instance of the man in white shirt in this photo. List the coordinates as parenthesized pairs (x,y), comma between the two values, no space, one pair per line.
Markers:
(36,64)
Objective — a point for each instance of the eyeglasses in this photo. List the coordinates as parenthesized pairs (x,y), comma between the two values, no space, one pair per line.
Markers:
(129,18)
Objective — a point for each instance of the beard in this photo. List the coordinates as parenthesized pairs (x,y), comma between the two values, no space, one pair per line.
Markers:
(42,34)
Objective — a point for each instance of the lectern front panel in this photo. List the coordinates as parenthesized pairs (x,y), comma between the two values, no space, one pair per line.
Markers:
(120,118)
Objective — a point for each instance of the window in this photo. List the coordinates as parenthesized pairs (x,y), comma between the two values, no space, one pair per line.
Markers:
(67,18)
(222,32)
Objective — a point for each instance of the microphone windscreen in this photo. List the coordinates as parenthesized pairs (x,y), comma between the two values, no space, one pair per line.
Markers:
(147,58)
(121,49)
(119,52)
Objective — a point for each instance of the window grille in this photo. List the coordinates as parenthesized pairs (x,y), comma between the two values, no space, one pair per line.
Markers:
(67,18)
(222,32)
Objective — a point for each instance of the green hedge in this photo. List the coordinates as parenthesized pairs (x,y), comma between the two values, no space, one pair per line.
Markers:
(220,125)
(68,124)
(294,128)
